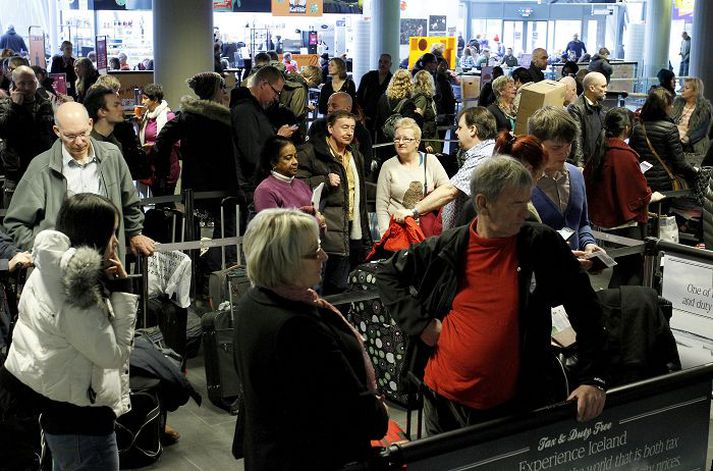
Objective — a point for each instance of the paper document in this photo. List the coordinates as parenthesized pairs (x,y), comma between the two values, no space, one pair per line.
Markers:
(600,260)
(645,166)
(317,195)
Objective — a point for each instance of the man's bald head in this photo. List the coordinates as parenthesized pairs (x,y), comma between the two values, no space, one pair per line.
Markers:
(339,101)
(570,93)
(595,86)
(69,114)
(24,81)
(73,126)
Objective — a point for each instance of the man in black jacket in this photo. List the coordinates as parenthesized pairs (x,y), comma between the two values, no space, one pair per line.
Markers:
(251,126)
(482,294)
(26,120)
(587,110)
(371,86)
(538,64)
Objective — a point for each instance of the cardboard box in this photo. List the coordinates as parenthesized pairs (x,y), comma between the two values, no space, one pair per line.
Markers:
(469,90)
(535,96)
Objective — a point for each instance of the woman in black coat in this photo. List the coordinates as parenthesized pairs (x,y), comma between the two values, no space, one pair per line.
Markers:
(657,142)
(340,82)
(308,385)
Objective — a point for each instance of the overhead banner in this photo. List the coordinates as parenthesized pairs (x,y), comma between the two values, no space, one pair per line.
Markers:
(222,5)
(102,60)
(683,9)
(297,7)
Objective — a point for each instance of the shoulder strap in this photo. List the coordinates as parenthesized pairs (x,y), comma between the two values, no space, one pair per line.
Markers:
(648,142)
(400,105)
(425,176)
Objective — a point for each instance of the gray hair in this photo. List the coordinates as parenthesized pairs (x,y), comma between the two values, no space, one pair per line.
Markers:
(500,83)
(408,123)
(274,243)
(496,174)
(552,123)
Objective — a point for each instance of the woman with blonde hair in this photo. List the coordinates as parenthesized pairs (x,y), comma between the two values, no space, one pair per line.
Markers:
(408,177)
(306,377)
(337,69)
(396,99)
(692,115)
(424,89)
(504,107)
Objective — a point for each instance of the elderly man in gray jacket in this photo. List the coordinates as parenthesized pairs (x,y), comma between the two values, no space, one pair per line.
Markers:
(76,163)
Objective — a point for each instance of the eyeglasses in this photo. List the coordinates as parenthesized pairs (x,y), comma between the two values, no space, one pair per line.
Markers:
(317,254)
(277,92)
(74,137)
(407,140)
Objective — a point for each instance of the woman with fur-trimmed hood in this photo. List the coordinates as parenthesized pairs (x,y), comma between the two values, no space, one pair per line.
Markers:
(204,129)
(69,357)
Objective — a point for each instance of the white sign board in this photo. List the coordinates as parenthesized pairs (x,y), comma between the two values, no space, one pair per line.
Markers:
(689,286)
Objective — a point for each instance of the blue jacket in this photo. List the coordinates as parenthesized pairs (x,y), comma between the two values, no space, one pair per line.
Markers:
(576,216)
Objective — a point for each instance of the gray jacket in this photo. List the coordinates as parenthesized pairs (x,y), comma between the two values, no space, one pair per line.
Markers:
(43,188)
(698,125)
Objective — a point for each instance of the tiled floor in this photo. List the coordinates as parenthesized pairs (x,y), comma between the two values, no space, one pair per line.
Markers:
(207,431)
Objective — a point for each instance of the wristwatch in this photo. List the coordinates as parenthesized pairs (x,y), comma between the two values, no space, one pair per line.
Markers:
(415,213)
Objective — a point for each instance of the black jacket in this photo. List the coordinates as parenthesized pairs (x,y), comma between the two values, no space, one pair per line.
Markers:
(591,122)
(203,127)
(419,284)
(536,74)
(251,128)
(304,384)
(362,139)
(501,121)
(328,89)
(315,163)
(601,64)
(368,94)
(27,132)
(664,138)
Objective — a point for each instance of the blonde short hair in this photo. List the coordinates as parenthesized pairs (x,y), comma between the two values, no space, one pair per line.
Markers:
(500,83)
(696,84)
(400,85)
(423,83)
(108,81)
(275,242)
(408,123)
(312,75)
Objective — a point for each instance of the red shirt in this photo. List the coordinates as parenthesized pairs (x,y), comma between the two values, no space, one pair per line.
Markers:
(477,357)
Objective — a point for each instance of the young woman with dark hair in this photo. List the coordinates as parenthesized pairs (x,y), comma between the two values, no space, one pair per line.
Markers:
(617,191)
(656,139)
(69,358)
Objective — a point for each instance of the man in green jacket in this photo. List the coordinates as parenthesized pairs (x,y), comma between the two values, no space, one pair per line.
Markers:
(76,163)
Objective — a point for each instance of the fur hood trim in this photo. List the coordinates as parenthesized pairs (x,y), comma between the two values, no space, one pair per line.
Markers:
(82,270)
(206,108)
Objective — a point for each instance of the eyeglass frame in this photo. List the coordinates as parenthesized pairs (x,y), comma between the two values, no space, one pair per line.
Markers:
(277,92)
(406,140)
(317,254)
(70,138)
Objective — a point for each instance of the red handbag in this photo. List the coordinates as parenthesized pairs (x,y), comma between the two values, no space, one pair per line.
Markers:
(397,237)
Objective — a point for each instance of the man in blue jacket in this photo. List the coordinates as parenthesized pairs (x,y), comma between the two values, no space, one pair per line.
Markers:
(559,195)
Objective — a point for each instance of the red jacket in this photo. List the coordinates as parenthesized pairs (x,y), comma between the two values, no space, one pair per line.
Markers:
(622,194)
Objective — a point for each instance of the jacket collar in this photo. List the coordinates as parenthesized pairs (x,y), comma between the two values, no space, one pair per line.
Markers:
(55,162)
(206,108)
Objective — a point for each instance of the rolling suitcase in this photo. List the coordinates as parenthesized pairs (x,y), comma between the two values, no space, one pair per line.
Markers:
(220,373)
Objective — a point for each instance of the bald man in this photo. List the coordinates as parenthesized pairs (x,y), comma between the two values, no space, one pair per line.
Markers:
(25,126)
(570,93)
(76,163)
(538,64)
(587,110)
(362,138)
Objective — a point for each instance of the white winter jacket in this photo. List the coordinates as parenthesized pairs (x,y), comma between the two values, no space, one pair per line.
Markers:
(71,344)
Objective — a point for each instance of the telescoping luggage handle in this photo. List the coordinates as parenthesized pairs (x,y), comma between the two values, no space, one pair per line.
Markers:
(143,262)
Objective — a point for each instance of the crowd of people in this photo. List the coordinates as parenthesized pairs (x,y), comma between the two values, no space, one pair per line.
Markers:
(516,210)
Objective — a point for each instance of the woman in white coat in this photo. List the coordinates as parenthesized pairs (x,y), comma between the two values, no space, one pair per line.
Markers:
(71,344)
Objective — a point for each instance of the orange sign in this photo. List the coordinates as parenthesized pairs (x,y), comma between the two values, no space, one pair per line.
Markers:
(297,7)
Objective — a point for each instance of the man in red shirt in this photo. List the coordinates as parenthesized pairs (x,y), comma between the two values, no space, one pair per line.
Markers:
(477,300)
